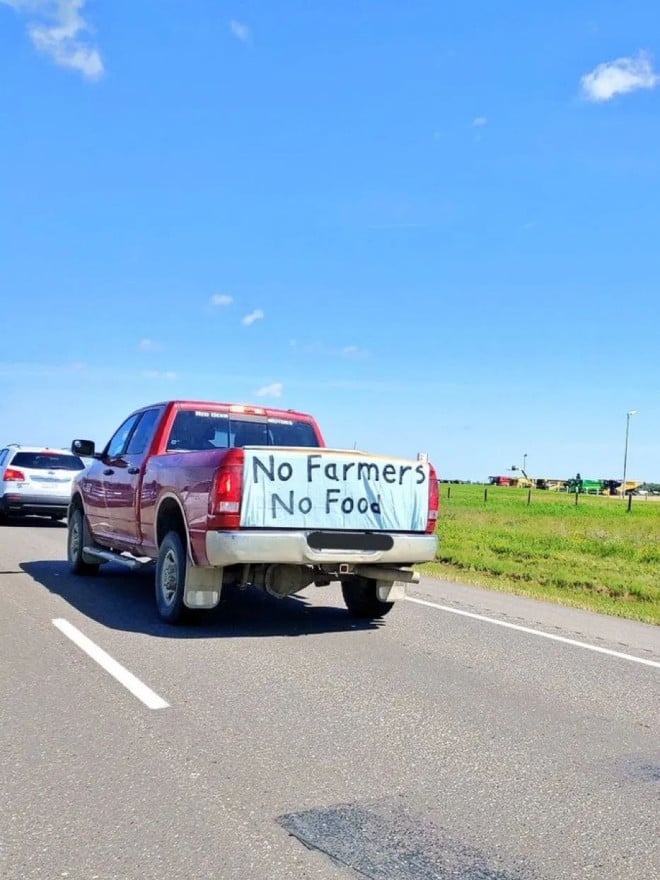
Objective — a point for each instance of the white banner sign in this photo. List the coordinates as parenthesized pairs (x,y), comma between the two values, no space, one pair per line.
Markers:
(333,489)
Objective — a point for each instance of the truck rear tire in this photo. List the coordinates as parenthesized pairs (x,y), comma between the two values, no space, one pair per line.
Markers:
(171,579)
(362,600)
(78,537)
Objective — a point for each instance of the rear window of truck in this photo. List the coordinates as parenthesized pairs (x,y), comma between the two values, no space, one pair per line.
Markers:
(195,430)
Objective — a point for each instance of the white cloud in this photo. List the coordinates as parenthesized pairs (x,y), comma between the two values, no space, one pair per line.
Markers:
(479,121)
(149,345)
(240,31)
(158,374)
(619,77)
(256,315)
(316,347)
(353,351)
(221,299)
(57,29)
(274,390)
(395,226)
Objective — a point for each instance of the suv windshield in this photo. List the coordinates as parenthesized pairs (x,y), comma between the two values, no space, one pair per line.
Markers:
(48,461)
(204,429)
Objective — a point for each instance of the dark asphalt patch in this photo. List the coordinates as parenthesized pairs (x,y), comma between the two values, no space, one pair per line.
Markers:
(649,772)
(652,772)
(384,842)
(640,769)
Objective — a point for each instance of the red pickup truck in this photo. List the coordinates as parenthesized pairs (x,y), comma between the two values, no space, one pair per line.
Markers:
(214,494)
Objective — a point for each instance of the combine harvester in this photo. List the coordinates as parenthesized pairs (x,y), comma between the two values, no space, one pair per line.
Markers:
(575,484)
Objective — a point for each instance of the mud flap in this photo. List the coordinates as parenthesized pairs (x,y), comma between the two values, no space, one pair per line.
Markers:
(390,591)
(203,586)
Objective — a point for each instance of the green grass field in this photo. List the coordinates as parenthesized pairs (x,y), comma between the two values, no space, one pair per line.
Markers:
(595,555)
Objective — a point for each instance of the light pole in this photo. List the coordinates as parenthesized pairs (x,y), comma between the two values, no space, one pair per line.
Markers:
(631,412)
(525,462)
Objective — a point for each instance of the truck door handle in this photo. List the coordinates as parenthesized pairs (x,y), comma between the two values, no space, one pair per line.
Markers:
(108,471)
(134,470)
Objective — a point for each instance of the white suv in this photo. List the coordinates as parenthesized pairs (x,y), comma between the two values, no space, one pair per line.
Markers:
(35,480)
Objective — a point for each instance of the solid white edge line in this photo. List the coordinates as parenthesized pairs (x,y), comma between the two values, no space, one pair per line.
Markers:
(536,632)
(111,666)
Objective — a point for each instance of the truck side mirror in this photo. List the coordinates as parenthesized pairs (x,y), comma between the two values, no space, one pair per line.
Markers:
(85,448)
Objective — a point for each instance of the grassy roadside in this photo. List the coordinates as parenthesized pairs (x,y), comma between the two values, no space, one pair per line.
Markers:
(595,555)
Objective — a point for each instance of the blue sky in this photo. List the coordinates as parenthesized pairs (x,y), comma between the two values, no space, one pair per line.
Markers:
(434,227)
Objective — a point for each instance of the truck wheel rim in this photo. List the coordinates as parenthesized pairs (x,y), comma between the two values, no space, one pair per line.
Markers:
(74,539)
(169,579)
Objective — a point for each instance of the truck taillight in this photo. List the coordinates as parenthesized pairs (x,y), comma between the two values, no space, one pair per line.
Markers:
(434,501)
(11,475)
(226,492)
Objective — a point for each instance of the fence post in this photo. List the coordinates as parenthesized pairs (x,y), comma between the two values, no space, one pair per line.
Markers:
(629,502)
(448,492)
(529,496)
(576,498)
(485,494)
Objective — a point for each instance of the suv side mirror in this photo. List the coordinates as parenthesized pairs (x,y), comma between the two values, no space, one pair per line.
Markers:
(85,448)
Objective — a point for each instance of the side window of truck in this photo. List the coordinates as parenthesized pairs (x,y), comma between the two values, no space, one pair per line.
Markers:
(144,432)
(117,443)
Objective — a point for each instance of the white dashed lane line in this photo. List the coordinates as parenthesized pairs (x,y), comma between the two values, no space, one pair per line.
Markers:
(111,666)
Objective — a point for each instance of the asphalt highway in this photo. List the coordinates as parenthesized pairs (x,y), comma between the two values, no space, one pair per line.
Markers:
(471,735)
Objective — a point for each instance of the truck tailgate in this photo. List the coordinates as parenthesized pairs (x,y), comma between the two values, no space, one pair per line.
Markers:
(335,489)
